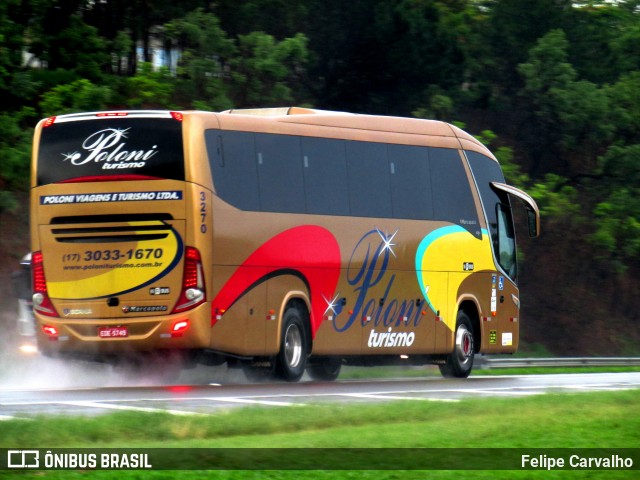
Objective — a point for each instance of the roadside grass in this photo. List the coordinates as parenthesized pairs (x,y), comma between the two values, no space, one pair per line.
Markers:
(554,370)
(363,373)
(584,420)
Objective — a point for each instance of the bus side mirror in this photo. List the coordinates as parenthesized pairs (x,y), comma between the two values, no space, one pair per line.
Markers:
(533,213)
(533,219)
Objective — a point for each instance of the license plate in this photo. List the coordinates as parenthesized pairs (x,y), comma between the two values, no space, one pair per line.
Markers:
(113,332)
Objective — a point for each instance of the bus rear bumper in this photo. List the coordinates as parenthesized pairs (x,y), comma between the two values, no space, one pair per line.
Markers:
(107,337)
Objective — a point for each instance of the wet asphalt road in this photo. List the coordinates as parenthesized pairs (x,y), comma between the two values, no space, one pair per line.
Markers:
(93,390)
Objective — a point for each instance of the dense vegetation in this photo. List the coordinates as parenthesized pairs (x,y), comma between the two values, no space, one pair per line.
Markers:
(551,85)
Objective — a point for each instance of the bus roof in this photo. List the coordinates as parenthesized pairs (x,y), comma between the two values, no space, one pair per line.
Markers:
(281,119)
(343,120)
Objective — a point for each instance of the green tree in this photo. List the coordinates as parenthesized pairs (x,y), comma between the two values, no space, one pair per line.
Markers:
(572,116)
(15,83)
(78,96)
(616,236)
(439,107)
(617,227)
(265,71)
(590,32)
(583,116)
(512,28)
(120,47)
(280,18)
(60,38)
(546,74)
(558,201)
(386,56)
(625,47)
(546,71)
(150,88)
(625,107)
(415,50)
(15,151)
(10,41)
(205,48)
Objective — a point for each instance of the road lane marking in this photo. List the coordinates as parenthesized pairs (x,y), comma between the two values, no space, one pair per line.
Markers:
(498,392)
(251,401)
(111,406)
(377,396)
(610,388)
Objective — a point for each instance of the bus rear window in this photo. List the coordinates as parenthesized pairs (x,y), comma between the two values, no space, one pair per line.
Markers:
(113,147)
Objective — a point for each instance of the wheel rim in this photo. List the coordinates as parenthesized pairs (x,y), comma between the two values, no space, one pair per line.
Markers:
(293,345)
(464,344)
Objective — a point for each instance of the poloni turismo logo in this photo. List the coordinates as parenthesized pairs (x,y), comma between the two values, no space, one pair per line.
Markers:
(108,146)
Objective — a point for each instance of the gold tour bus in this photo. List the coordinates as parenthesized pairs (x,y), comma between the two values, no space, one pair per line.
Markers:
(278,240)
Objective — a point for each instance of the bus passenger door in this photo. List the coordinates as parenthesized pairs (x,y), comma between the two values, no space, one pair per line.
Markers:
(495,296)
(507,316)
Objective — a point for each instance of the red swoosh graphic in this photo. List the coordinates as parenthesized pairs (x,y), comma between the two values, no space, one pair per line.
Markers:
(309,250)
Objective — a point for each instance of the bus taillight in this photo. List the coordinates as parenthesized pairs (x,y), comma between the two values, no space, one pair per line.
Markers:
(41,301)
(48,122)
(193,287)
(177,116)
(51,332)
(179,328)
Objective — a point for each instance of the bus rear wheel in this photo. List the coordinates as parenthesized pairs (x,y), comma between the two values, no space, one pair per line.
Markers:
(292,358)
(460,362)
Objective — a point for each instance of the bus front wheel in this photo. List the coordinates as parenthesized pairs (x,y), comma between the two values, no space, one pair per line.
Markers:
(460,362)
(292,358)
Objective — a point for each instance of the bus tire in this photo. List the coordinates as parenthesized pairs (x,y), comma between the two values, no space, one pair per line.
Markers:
(325,369)
(292,358)
(460,362)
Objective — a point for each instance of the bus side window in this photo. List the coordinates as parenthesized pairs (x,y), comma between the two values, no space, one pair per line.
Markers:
(410,183)
(452,198)
(280,173)
(368,173)
(235,176)
(325,176)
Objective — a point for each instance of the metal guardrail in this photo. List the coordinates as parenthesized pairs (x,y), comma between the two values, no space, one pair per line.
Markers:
(490,363)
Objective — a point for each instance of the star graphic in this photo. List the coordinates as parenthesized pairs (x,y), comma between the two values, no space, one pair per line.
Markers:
(387,242)
(121,133)
(331,304)
(70,156)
